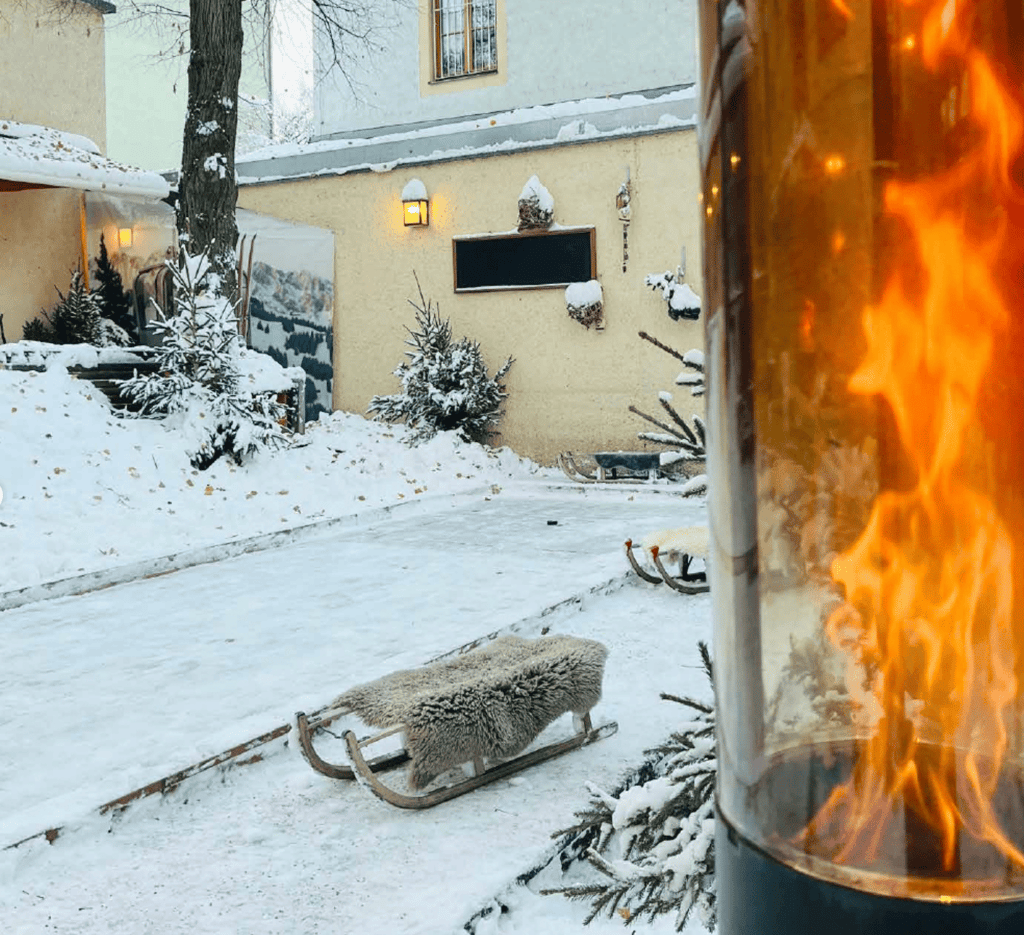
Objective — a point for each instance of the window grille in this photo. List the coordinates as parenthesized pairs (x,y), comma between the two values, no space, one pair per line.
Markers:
(464,37)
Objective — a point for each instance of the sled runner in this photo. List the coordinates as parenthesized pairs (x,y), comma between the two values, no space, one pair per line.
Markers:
(480,710)
(685,545)
(613,467)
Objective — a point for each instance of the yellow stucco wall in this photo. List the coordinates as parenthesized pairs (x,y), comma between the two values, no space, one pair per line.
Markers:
(40,246)
(51,67)
(570,387)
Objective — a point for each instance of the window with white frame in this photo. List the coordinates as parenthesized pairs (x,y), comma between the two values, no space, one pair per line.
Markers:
(465,41)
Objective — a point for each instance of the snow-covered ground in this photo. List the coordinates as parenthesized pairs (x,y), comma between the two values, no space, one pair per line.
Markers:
(115,688)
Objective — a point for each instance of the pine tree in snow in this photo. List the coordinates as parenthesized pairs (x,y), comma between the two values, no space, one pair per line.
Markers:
(115,303)
(445,385)
(77,318)
(653,843)
(199,376)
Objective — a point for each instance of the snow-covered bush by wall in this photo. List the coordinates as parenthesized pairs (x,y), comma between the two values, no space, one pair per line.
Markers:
(222,395)
(290,319)
(445,385)
(77,318)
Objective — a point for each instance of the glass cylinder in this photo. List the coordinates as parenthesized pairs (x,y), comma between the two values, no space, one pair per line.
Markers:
(864,323)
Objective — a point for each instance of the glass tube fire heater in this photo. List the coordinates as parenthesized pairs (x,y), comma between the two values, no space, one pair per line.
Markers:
(864,299)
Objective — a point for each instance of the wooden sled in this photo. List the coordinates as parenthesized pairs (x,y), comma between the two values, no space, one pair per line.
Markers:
(685,544)
(637,465)
(488,690)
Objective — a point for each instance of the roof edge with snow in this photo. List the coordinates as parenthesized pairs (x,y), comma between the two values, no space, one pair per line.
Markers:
(100,5)
(537,127)
(41,157)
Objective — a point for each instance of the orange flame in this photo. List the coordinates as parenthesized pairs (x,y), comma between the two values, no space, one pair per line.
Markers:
(928,587)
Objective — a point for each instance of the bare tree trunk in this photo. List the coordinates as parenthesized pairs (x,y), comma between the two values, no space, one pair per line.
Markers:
(207,191)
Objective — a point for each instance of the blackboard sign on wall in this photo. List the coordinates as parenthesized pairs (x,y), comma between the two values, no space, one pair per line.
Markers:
(534,260)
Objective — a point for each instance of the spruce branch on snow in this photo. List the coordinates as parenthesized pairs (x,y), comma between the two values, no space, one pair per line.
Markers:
(199,375)
(445,385)
(688,441)
(653,842)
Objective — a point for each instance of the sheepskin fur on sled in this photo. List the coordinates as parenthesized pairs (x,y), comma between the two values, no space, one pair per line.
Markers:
(490,702)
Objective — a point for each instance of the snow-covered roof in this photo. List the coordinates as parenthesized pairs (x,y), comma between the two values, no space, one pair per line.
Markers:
(37,156)
(536,127)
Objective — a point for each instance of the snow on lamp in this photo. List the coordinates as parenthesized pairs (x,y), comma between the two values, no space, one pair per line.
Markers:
(415,204)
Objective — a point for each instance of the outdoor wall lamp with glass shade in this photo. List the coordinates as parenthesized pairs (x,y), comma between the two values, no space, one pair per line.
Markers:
(125,236)
(415,205)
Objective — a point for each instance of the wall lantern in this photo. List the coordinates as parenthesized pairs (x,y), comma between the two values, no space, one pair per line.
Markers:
(125,236)
(415,205)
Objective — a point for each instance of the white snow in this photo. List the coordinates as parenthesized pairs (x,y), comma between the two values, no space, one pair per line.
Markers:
(683,297)
(414,190)
(216,165)
(583,294)
(535,191)
(392,556)
(45,156)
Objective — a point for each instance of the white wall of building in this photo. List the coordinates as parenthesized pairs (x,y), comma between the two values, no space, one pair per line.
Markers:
(548,52)
(147,87)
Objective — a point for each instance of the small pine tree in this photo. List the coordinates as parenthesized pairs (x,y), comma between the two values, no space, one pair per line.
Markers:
(662,830)
(76,319)
(115,303)
(445,385)
(199,375)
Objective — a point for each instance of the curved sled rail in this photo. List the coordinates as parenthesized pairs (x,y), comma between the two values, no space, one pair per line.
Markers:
(364,769)
(333,770)
(675,583)
(637,567)
(569,468)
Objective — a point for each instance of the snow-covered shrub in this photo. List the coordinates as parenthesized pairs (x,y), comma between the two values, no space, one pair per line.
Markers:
(77,318)
(687,444)
(200,374)
(681,300)
(536,206)
(585,302)
(445,385)
(653,843)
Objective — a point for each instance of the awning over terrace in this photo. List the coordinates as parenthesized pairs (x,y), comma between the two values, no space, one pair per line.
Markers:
(40,157)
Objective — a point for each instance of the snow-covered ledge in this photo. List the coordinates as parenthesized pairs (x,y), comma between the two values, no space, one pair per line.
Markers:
(42,156)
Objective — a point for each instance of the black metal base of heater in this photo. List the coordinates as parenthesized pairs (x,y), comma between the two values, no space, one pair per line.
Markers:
(758,895)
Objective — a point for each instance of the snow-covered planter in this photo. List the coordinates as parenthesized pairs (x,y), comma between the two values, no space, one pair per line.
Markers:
(445,385)
(681,300)
(585,303)
(536,206)
(217,390)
